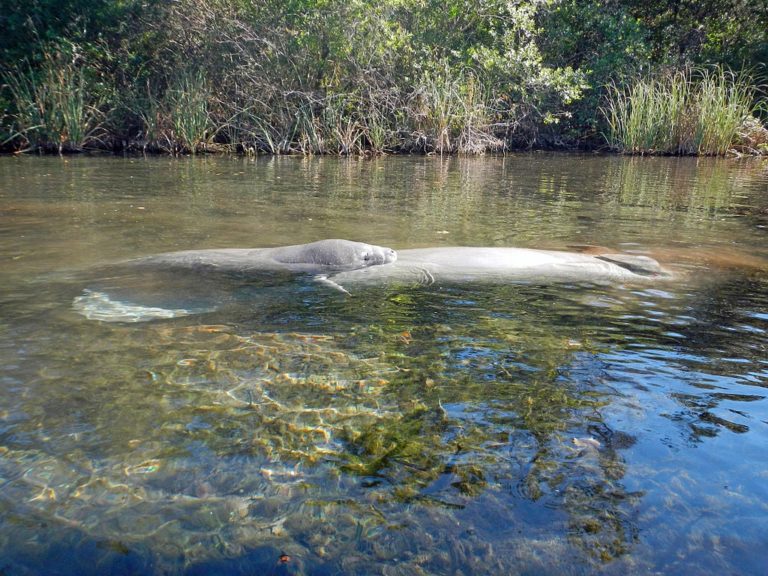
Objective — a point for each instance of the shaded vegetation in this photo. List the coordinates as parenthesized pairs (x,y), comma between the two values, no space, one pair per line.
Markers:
(357,76)
(682,113)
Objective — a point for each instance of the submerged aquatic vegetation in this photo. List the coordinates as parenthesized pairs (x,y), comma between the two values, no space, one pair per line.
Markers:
(245,437)
(689,112)
(400,445)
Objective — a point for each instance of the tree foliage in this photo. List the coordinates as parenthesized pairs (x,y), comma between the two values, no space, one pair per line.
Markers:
(356,75)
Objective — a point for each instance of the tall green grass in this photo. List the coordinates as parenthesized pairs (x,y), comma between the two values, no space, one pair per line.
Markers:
(55,106)
(686,112)
(452,113)
(7,134)
(60,105)
(379,125)
(186,102)
(148,108)
(175,118)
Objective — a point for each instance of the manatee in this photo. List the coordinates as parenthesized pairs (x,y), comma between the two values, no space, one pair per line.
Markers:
(464,264)
(323,256)
(174,284)
(348,266)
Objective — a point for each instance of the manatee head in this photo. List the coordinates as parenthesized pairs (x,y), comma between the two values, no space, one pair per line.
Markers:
(336,253)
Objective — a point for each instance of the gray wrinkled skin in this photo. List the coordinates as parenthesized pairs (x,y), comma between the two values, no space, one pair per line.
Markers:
(321,257)
(463,264)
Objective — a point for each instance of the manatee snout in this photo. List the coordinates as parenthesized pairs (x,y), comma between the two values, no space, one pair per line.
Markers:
(379,255)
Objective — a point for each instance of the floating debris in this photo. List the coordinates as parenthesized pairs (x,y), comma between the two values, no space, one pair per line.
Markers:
(589,442)
(147,467)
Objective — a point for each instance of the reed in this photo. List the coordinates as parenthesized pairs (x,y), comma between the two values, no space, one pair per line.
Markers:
(7,134)
(379,118)
(262,127)
(191,128)
(330,124)
(243,131)
(687,112)
(56,108)
(148,109)
(475,121)
(437,106)
(310,136)
(341,119)
(726,105)
(451,113)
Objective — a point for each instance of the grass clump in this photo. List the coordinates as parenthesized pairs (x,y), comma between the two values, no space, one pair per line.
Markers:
(191,127)
(57,106)
(176,119)
(687,112)
(451,113)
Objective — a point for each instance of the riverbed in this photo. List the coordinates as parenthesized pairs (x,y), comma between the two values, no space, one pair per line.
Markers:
(444,429)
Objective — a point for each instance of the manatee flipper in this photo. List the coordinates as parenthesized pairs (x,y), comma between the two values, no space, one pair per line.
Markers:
(634,263)
(96,305)
(322,279)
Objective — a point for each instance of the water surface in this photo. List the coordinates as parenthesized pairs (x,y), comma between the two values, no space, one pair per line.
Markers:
(516,429)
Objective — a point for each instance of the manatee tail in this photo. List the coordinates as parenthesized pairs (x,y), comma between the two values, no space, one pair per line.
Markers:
(636,263)
(96,305)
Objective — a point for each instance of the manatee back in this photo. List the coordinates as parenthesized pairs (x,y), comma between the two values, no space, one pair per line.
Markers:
(335,253)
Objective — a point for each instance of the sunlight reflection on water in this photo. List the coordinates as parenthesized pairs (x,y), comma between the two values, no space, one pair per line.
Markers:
(502,429)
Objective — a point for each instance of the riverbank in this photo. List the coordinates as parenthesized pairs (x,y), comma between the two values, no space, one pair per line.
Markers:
(706,112)
(362,78)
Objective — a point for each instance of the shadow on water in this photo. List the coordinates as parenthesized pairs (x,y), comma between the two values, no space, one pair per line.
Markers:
(289,429)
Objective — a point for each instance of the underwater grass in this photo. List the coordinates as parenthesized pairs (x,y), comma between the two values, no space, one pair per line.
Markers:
(688,112)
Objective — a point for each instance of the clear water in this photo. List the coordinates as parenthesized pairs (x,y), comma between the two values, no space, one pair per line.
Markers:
(433,430)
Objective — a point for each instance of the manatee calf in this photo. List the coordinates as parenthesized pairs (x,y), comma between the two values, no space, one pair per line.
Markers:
(175,284)
(323,256)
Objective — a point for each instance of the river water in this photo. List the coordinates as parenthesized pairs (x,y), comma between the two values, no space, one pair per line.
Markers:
(446,429)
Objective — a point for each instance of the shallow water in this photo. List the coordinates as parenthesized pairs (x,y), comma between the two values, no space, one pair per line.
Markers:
(447,429)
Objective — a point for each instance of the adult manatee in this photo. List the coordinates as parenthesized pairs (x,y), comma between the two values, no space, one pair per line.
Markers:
(463,264)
